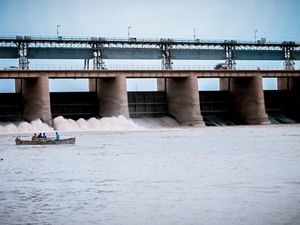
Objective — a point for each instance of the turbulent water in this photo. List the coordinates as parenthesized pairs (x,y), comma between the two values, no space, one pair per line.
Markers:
(150,171)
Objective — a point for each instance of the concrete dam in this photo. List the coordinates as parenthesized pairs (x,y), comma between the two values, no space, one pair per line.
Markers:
(240,100)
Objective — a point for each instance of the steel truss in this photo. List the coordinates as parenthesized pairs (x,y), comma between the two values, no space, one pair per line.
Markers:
(229,55)
(166,63)
(98,63)
(97,44)
(289,63)
(23,57)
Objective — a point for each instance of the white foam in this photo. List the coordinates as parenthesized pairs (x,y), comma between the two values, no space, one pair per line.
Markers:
(25,127)
(93,124)
(118,123)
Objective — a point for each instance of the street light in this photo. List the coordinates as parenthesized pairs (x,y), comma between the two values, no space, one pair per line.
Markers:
(129,32)
(255,32)
(57,32)
(194,34)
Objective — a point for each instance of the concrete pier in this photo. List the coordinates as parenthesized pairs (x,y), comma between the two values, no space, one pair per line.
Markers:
(224,84)
(183,100)
(248,100)
(36,98)
(112,96)
(161,84)
(92,85)
(18,85)
(291,84)
(283,83)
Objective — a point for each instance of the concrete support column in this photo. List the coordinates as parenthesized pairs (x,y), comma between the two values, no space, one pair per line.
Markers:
(292,84)
(112,95)
(224,84)
(18,85)
(161,84)
(36,99)
(92,85)
(183,100)
(248,100)
(283,83)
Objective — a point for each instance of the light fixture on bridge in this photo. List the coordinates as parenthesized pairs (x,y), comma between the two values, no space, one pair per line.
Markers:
(129,32)
(57,30)
(194,34)
(255,32)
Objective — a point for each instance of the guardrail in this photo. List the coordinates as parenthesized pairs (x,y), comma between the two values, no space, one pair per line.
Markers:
(135,67)
(140,39)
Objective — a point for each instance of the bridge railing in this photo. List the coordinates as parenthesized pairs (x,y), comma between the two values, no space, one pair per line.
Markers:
(135,67)
(134,39)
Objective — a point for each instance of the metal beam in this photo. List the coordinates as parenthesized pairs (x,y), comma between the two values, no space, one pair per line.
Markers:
(60,53)
(131,53)
(9,52)
(198,54)
(146,53)
(259,55)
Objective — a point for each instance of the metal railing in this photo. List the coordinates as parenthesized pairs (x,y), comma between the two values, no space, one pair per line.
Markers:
(139,39)
(137,67)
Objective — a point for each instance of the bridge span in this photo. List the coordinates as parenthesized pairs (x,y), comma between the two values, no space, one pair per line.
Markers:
(15,74)
(98,49)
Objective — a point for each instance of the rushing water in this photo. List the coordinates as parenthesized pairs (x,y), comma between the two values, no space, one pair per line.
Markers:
(171,176)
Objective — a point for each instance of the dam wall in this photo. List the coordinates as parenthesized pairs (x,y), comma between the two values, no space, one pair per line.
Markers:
(216,106)
(241,101)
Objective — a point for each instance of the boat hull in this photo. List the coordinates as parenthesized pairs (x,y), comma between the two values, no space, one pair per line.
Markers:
(45,142)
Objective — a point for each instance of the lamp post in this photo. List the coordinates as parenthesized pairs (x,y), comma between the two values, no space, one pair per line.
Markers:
(194,34)
(255,32)
(57,31)
(129,32)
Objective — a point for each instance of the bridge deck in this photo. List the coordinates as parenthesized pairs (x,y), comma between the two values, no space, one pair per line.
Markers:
(11,74)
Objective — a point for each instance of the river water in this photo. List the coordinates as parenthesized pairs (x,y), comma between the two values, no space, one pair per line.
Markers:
(152,174)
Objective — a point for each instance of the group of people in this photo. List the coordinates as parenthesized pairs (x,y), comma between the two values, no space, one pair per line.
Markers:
(42,136)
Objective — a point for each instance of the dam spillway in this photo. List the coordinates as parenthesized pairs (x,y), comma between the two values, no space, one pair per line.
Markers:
(216,107)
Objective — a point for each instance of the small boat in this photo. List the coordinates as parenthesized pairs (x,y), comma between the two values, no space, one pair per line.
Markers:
(45,141)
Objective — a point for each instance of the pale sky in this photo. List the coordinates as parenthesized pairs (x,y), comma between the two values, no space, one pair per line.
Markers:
(216,19)
(212,19)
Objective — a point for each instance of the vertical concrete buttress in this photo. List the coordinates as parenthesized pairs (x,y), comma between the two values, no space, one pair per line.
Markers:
(183,100)
(112,96)
(291,84)
(36,99)
(248,100)
(161,84)
(224,84)
(283,83)
(18,85)
(92,85)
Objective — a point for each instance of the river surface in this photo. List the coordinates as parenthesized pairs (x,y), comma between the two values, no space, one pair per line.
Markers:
(212,175)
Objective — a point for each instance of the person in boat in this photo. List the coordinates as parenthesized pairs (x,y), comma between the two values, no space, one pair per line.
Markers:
(44,136)
(57,137)
(39,136)
(34,137)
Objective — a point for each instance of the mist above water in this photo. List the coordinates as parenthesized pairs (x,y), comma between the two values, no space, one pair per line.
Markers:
(25,127)
(119,123)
